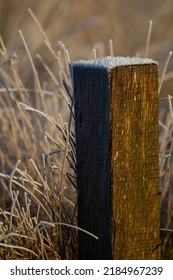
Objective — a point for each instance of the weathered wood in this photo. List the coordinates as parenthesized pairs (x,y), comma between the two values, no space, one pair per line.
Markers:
(116,113)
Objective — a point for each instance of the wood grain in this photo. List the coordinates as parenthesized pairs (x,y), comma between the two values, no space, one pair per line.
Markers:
(116,118)
(135,162)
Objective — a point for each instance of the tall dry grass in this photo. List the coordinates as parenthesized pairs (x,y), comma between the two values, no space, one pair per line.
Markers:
(38,216)
(38,197)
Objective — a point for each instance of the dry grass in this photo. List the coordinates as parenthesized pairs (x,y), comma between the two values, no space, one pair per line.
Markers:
(37,152)
(37,134)
(166,178)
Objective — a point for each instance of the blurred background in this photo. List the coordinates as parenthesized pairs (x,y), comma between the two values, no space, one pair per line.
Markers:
(82,25)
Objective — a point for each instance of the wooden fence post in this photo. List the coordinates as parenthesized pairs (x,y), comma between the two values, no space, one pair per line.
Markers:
(116,126)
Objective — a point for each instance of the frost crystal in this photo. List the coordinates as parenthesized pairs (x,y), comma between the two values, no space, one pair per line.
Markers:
(111,62)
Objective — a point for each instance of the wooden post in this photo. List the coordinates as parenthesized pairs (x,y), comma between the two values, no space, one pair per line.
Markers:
(116,118)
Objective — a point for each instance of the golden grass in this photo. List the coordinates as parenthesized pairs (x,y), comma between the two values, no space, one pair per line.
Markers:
(165,138)
(40,188)
(38,218)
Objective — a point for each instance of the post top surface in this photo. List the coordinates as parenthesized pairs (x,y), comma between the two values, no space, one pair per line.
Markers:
(111,62)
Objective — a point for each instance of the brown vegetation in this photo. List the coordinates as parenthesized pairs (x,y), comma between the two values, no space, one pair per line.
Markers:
(38,192)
